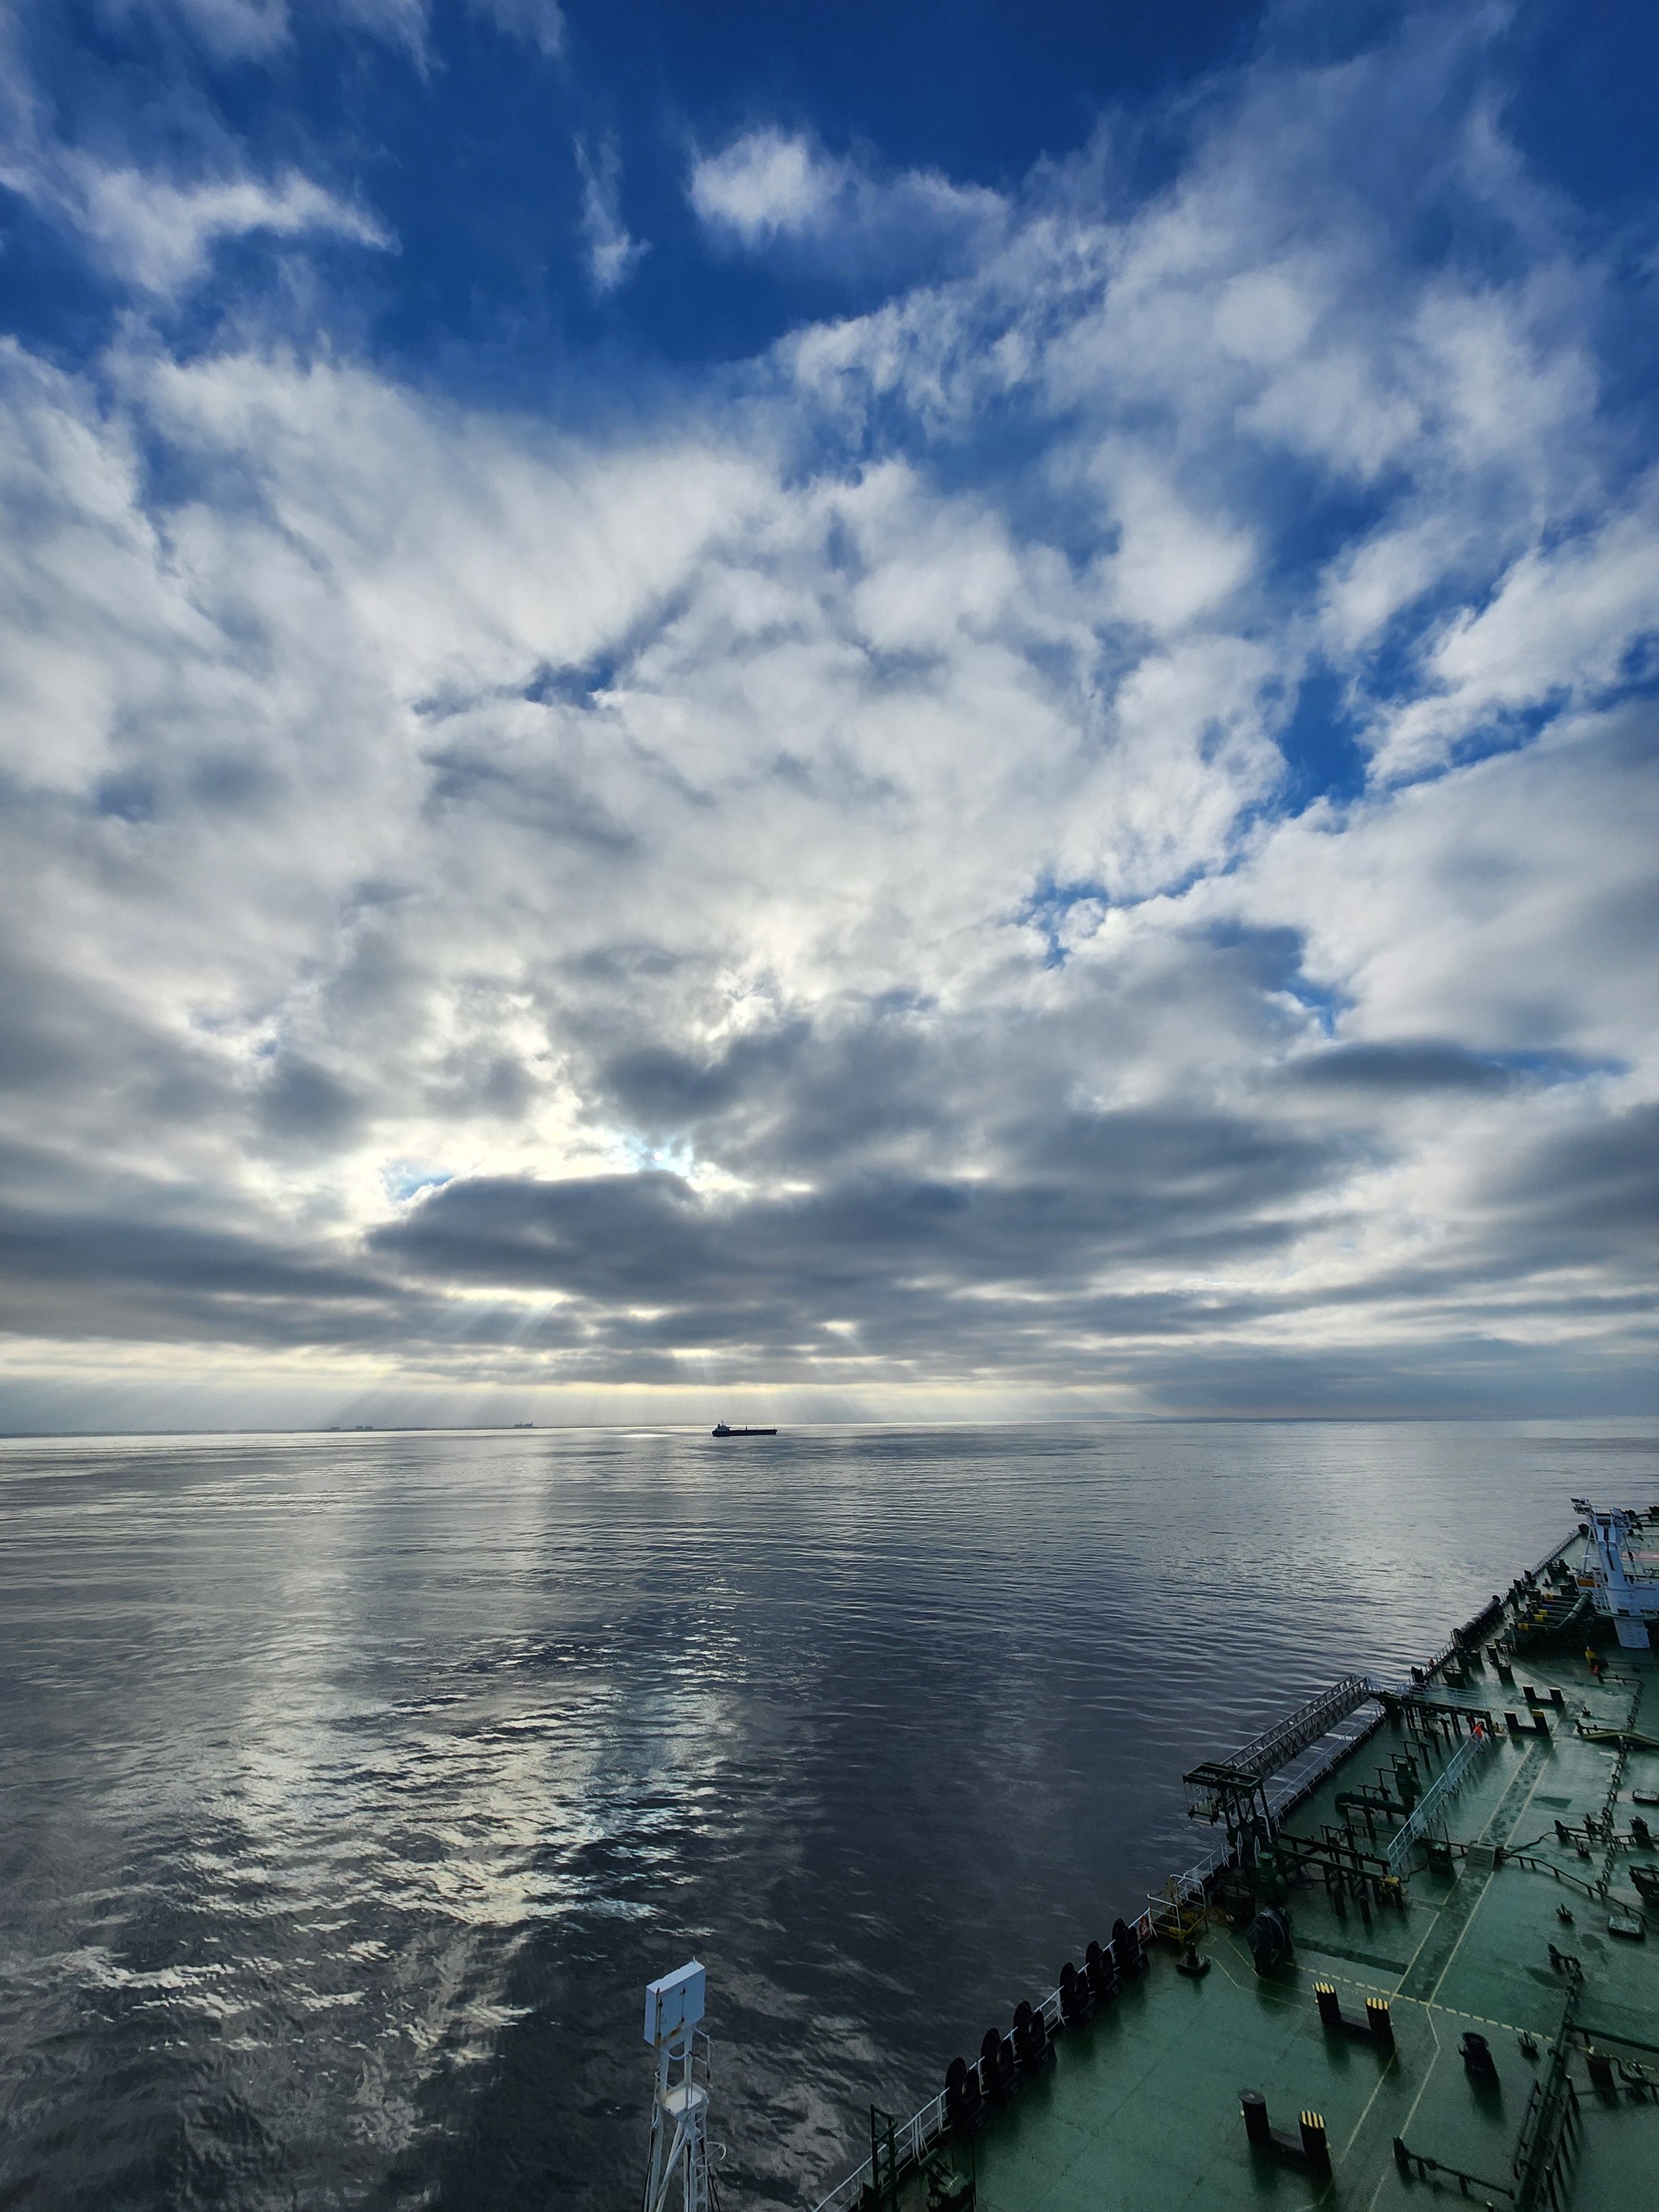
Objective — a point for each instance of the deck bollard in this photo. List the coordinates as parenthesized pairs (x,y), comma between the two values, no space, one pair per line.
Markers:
(1316,2148)
(1376,2028)
(1478,2061)
(1309,2148)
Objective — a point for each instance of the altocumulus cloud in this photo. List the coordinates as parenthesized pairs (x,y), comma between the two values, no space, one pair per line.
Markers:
(829,886)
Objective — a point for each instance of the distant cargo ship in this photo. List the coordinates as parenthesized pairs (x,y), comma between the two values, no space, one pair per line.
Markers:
(721,1429)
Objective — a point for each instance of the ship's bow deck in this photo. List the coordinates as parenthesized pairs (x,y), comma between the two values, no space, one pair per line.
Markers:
(1141,2109)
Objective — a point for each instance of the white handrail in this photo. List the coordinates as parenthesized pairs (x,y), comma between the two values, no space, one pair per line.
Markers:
(1445,1785)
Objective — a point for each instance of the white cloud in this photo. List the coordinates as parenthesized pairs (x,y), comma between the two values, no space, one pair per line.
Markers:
(540,23)
(1495,905)
(1171,566)
(775,188)
(398,22)
(233,27)
(766,183)
(154,232)
(1562,624)
(259,28)
(612,254)
(159,236)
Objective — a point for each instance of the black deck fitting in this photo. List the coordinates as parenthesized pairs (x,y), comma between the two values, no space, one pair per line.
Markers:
(1126,1950)
(1417,2166)
(1376,2028)
(1309,2148)
(1268,1937)
(1076,1999)
(964,2101)
(1478,2062)
(1536,1725)
(1032,2048)
(996,2066)
(1101,1969)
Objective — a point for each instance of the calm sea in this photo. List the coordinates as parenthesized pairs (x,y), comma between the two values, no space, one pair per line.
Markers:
(355,1785)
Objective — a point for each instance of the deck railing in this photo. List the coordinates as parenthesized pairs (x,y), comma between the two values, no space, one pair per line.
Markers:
(1446,1785)
(1274,1750)
(919,2134)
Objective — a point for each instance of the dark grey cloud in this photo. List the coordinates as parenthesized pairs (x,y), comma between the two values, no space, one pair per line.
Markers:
(1586,1198)
(1430,1063)
(1106,1187)
(538,798)
(108,1274)
(662,1091)
(916,1261)
(302,1103)
(798,1095)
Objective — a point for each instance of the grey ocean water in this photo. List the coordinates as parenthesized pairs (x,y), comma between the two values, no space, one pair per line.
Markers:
(355,1785)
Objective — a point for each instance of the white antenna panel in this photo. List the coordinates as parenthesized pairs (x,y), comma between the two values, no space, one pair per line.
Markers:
(674,2003)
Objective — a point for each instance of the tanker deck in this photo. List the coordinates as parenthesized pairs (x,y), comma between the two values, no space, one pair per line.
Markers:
(1419,1960)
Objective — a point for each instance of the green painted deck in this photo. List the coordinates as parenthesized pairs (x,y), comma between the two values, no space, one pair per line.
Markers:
(1141,2110)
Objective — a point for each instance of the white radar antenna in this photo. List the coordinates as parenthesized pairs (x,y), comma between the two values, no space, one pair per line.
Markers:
(1625,1577)
(679,2116)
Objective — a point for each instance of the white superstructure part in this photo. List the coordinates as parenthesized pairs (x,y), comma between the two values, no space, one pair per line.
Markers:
(678,2171)
(1625,1579)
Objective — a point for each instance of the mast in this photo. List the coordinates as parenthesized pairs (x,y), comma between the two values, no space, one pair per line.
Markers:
(678,2166)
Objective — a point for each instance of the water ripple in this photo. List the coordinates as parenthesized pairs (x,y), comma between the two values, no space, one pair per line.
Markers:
(357,1784)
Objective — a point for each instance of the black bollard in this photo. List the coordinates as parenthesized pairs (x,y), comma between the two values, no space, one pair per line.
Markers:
(1315,2146)
(1478,2061)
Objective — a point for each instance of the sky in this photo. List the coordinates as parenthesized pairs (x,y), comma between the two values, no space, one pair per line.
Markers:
(904,711)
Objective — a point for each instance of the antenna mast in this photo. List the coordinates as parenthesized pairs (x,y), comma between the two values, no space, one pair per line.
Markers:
(679,2114)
